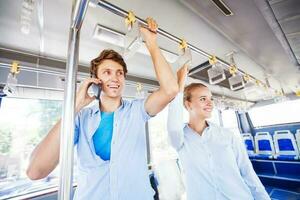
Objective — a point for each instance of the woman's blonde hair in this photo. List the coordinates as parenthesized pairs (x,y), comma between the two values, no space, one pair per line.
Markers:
(187,94)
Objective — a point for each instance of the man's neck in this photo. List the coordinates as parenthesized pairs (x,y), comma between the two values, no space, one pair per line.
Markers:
(109,104)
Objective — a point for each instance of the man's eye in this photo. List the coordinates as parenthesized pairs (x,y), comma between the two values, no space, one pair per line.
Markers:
(202,99)
(120,73)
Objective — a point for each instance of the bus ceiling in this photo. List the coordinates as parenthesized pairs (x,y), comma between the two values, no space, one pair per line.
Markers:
(245,35)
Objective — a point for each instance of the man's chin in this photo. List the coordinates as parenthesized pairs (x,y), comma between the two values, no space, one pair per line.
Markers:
(114,95)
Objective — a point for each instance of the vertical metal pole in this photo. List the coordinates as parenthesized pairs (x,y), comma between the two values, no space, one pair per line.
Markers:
(148,143)
(220,118)
(68,115)
(67,128)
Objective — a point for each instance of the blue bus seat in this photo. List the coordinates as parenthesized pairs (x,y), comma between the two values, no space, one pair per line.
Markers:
(249,143)
(264,145)
(285,146)
(297,135)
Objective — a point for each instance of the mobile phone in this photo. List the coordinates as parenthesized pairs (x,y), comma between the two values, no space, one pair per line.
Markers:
(96,89)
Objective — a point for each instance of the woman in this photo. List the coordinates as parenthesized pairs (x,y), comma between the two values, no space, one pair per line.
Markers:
(110,136)
(215,162)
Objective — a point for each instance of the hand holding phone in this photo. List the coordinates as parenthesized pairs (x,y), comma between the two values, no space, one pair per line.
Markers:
(96,89)
(83,97)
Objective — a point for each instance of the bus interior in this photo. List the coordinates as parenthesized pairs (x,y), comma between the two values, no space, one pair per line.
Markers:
(247,52)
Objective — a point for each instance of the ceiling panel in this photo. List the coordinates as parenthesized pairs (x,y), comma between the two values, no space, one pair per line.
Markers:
(197,21)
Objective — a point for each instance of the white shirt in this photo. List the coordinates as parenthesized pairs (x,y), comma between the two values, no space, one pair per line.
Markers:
(215,164)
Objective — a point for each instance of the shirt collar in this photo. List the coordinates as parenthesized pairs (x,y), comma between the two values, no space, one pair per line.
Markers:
(209,125)
(204,134)
(95,108)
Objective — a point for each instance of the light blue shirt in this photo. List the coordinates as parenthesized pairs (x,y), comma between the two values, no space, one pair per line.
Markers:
(103,136)
(125,175)
(216,164)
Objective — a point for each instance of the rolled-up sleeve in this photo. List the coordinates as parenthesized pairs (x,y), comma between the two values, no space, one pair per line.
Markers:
(175,122)
(247,172)
(142,110)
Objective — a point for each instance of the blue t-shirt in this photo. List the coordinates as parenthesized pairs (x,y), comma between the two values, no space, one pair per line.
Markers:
(103,135)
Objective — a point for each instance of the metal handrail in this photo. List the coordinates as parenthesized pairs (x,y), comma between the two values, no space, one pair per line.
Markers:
(79,8)
(120,12)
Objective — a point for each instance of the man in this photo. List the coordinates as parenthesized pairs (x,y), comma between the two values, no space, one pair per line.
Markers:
(110,137)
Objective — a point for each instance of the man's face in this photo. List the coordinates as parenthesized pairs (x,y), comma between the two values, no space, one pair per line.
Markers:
(112,77)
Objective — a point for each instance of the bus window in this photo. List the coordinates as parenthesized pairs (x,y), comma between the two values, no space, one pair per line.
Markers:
(23,124)
(160,147)
(164,158)
(284,112)
(230,121)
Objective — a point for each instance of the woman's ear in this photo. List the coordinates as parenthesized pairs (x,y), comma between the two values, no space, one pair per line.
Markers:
(187,105)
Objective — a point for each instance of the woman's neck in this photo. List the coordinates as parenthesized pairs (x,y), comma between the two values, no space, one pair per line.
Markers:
(108,104)
(198,125)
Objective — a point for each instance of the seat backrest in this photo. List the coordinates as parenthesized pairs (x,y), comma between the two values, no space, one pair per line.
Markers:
(297,135)
(264,143)
(285,143)
(248,140)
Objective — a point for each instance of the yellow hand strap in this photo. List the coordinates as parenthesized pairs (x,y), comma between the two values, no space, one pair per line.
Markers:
(212,60)
(15,68)
(183,44)
(233,69)
(130,19)
(258,83)
(139,87)
(246,77)
(279,93)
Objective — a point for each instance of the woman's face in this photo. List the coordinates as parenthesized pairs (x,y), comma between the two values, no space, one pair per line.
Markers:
(200,104)
(112,76)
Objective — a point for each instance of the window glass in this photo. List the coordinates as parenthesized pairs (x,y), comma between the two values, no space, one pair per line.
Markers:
(23,124)
(279,113)
(159,142)
(230,122)
(164,159)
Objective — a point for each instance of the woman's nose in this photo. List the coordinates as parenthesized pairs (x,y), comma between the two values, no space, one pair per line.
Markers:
(210,102)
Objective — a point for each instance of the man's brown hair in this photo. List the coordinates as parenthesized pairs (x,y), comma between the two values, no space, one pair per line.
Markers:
(107,54)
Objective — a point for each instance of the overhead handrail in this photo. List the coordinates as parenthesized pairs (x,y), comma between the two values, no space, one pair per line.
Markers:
(123,13)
